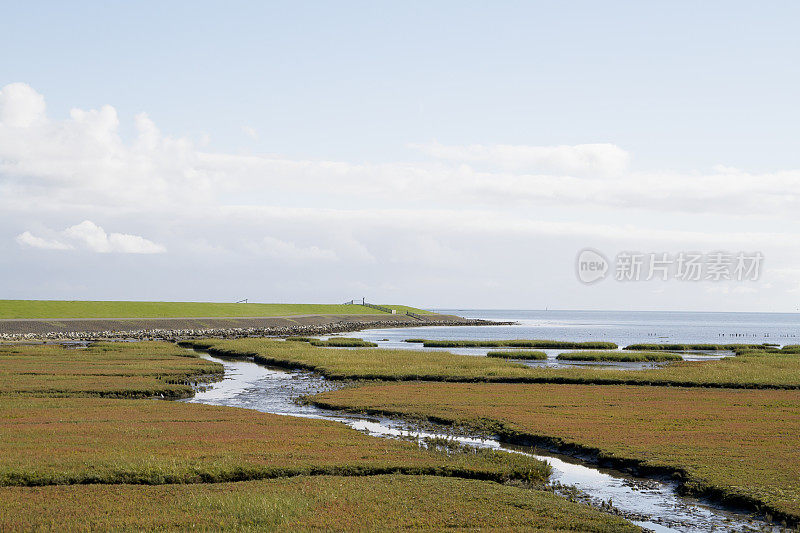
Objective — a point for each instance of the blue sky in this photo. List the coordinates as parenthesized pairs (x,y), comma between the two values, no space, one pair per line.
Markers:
(350,109)
(680,84)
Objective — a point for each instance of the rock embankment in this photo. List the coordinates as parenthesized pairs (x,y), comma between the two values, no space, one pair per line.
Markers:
(187,328)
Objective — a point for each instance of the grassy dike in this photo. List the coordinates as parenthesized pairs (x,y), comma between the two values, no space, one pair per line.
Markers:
(61,309)
(76,457)
(741,447)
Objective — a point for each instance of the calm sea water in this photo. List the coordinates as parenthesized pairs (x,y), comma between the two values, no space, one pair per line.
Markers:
(622,327)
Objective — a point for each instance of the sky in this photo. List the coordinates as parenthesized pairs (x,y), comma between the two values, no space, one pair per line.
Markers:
(439,154)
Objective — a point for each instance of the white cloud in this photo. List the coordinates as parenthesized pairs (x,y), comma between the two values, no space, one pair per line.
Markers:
(289,251)
(473,209)
(20,106)
(57,165)
(413,223)
(582,159)
(28,239)
(92,237)
(250,132)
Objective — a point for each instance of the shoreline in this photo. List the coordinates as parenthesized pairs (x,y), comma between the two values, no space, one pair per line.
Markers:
(175,329)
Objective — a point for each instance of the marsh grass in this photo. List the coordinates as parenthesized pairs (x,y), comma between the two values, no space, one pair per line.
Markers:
(335,342)
(75,463)
(518,354)
(95,440)
(622,357)
(694,347)
(517,343)
(127,370)
(366,363)
(76,439)
(739,446)
(343,342)
(751,370)
(304,503)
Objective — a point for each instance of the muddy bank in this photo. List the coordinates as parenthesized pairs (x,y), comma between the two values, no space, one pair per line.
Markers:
(186,328)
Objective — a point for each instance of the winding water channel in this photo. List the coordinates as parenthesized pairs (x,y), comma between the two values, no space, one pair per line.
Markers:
(650,503)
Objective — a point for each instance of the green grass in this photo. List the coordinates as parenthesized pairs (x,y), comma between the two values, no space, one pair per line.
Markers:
(72,438)
(518,354)
(335,342)
(752,370)
(694,347)
(56,441)
(366,363)
(401,309)
(516,343)
(39,309)
(343,342)
(326,503)
(739,446)
(128,370)
(621,357)
(791,349)
(79,463)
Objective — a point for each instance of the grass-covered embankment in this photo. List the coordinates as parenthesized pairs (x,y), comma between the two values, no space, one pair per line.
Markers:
(619,357)
(329,503)
(366,363)
(516,343)
(127,370)
(739,446)
(33,309)
(532,355)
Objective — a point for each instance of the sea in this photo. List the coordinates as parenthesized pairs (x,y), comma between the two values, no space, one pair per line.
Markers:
(621,327)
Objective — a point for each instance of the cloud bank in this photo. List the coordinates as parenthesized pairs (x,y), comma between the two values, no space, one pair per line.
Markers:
(582,159)
(489,215)
(83,160)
